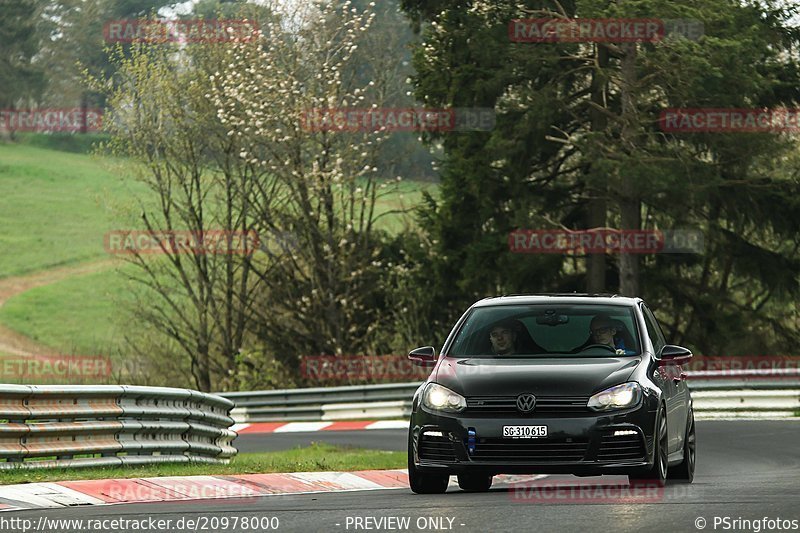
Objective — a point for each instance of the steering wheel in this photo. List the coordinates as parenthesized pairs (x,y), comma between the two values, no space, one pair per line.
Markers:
(606,346)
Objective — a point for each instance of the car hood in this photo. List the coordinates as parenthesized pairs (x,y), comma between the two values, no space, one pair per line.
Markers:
(552,376)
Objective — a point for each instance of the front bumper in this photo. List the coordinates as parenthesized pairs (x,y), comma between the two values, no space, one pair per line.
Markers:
(586,444)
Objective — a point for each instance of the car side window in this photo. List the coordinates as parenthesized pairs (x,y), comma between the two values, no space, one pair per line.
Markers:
(653,330)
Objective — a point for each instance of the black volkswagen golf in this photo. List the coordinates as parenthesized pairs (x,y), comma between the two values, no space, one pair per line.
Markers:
(560,384)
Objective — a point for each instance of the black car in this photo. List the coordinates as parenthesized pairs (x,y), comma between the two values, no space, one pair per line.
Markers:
(559,384)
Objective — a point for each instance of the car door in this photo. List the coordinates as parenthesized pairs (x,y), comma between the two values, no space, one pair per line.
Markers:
(667,379)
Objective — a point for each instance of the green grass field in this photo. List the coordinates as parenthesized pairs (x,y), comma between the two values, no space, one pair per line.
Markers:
(315,458)
(55,208)
(79,315)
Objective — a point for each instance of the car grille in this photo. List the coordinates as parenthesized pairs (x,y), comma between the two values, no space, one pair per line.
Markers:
(435,448)
(499,405)
(621,448)
(529,450)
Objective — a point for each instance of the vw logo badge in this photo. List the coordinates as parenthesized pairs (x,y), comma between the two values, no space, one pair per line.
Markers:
(526,402)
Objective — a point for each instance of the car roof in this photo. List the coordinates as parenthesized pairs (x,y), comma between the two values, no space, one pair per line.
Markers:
(558,298)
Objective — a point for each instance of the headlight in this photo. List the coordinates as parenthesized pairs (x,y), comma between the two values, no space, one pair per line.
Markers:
(618,397)
(443,399)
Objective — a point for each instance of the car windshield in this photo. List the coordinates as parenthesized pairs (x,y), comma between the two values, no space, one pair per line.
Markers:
(587,330)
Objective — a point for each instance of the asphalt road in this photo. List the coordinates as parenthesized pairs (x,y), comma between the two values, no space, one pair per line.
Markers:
(747,472)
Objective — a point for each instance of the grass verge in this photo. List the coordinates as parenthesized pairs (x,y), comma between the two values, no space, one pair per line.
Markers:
(63,142)
(318,457)
(82,314)
(55,208)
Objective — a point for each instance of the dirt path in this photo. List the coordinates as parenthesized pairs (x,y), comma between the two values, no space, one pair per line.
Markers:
(15,343)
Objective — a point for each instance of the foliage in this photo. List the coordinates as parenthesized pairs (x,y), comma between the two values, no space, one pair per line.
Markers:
(219,135)
(577,129)
(20,78)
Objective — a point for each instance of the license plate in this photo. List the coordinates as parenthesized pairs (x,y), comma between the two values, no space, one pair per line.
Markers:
(524,432)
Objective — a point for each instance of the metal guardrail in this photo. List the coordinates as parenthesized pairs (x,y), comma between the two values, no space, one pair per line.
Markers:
(714,392)
(320,403)
(111,425)
(753,402)
(767,379)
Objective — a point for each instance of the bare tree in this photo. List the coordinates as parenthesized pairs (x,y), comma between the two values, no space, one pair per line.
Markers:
(226,143)
(198,282)
(319,186)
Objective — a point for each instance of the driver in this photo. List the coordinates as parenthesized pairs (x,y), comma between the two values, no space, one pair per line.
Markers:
(503,337)
(604,331)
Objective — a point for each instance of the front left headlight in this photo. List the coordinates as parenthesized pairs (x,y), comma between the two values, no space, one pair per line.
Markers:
(617,397)
(443,399)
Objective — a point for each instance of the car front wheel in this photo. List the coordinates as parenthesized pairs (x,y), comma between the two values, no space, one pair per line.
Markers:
(684,472)
(424,483)
(657,474)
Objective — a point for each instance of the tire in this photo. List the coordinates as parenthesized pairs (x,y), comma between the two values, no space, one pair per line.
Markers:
(684,472)
(424,483)
(657,474)
(475,482)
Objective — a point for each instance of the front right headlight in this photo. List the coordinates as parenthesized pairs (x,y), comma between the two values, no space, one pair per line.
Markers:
(617,397)
(441,398)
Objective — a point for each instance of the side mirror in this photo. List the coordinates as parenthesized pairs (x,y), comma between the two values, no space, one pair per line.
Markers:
(674,355)
(424,356)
